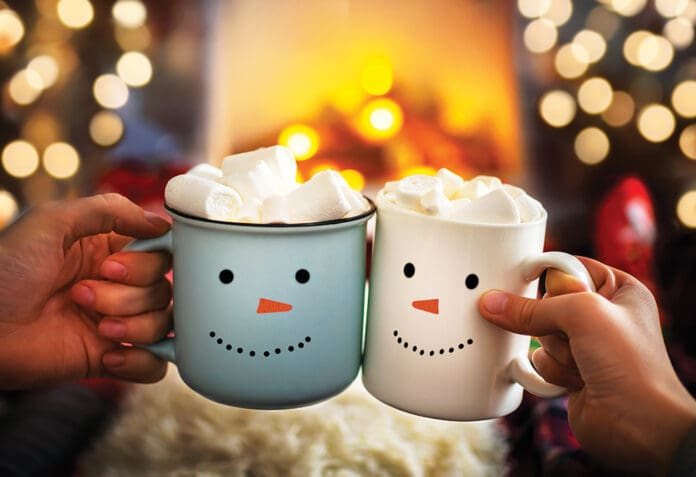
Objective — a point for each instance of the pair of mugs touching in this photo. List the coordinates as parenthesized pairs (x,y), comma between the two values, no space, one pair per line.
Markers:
(270,316)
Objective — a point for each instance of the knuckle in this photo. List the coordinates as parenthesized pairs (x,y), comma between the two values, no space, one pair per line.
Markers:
(527,313)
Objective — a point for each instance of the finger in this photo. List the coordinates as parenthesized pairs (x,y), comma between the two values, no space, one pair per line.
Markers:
(136,268)
(558,347)
(560,283)
(134,364)
(554,372)
(109,298)
(103,214)
(138,329)
(606,279)
(567,314)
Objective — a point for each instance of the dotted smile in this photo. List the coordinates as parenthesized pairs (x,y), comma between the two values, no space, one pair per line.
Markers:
(432,352)
(252,353)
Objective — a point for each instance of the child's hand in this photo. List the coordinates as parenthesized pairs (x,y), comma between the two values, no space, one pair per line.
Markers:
(626,405)
(60,318)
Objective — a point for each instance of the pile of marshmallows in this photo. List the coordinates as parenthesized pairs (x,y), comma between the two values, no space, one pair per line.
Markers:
(483,199)
(260,186)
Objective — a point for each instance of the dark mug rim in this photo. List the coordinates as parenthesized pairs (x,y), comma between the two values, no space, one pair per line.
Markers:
(279,225)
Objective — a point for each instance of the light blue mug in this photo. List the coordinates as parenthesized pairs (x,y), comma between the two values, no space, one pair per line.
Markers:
(266,316)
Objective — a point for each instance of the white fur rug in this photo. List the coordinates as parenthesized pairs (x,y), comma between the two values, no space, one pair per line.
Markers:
(167,430)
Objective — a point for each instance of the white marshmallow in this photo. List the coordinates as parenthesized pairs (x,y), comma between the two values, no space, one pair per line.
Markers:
(275,209)
(201,197)
(496,207)
(280,162)
(435,202)
(320,198)
(529,209)
(451,182)
(472,189)
(409,191)
(256,182)
(250,211)
(458,204)
(491,181)
(207,171)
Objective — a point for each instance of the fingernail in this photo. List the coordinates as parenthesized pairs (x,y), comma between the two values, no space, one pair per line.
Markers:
(113,359)
(155,219)
(112,329)
(83,295)
(494,302)
(113,270)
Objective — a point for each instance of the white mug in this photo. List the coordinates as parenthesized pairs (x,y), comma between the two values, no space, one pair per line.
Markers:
(428,351)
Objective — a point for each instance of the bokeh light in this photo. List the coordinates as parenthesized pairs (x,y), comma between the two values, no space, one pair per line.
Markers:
(133,39)
(110,91)
(11,29)
(687,141)
(557,108)
(655,53)
(8,207)
(632,45)
(354,178)
(381,119)
(134,68)
(671,8)
(603,21)
(686,209)
(593,43)
(571,61)
(25,87)
(620,111)
(61,160)
(75,14)
(41,128)
(20,159)
(47,68)
(533,8)
(656,123)
(628,8)
(684,99)
(592,145)
(301,139)
(540,35)
(559,12)
(376,76)
(595,95)
(129,13)
(106,128)
(679,32)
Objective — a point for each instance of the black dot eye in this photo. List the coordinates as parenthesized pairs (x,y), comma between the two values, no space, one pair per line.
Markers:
(302,275)
(409,270)
(472,281)
(226,276)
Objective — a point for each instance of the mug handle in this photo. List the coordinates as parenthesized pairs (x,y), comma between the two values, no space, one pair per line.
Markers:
(163,349)
(520,368)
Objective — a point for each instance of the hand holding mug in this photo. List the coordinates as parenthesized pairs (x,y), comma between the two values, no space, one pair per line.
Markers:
(626,405)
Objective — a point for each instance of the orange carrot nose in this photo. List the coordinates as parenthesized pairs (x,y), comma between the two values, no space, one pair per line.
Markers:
(270,306)
(431,306)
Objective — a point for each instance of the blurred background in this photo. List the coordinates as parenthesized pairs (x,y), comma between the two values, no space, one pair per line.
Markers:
(589,104)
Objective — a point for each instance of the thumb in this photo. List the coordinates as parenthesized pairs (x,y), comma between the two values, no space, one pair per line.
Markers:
(107,213)
(529,316)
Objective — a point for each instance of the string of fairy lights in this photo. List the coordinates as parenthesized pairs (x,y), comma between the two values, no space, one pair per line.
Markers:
(50,66)
(595,96)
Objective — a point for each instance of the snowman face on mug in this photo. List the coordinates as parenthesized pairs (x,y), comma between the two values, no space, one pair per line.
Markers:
(436,309)
(288,314)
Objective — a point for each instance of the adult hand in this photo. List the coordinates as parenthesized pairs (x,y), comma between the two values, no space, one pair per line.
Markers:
(60,319)
(626,404)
